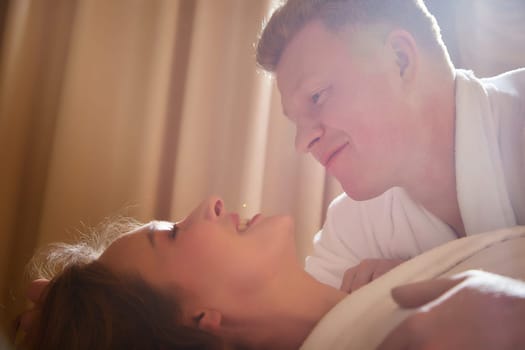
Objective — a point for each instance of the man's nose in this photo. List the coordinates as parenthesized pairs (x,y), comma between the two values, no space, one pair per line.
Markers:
(306,136)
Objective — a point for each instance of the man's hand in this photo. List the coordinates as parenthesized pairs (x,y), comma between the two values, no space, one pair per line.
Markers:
(34,292)
(472,310)
(367,271)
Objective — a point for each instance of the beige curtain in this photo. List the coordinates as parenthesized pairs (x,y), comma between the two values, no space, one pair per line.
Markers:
(490,35)
(141,108)
(485,36)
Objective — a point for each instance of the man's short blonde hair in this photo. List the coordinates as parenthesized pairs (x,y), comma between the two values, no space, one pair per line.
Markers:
(289,18)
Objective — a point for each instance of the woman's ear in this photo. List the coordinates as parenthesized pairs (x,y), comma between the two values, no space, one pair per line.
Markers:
(208,320)
(405,52)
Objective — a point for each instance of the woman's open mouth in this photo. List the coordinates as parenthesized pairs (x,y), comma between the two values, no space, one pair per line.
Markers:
(245,224)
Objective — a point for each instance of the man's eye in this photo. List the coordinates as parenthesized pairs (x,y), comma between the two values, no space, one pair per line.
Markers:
(173,232)
(316,97)
(319,97)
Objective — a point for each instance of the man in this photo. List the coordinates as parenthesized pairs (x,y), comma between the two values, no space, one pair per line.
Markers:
(425,153)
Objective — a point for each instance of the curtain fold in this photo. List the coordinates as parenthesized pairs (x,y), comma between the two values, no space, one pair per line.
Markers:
(140,108)
(35,48)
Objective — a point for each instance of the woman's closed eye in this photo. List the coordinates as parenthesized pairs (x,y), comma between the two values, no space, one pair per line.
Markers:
(172,233)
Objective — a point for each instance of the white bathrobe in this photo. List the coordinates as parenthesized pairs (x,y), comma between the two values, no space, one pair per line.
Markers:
(363,319)
(490,176)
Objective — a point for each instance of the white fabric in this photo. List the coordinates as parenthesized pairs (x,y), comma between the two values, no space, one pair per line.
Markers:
(490,174)
(365,317)
(478,152)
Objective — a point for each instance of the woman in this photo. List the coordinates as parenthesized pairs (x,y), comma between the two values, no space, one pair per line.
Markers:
(203,282)
(208,283)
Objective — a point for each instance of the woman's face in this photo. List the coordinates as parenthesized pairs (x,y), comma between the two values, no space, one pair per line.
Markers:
(206,256)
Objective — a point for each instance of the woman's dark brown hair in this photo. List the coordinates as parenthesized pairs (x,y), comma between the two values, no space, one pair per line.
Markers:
(87,306)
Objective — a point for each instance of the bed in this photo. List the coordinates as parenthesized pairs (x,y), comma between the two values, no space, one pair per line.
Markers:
(366,316)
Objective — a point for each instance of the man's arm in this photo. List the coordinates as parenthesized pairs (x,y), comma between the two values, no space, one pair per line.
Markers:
(472,310)
(365,272)
(347,253)
(339,244)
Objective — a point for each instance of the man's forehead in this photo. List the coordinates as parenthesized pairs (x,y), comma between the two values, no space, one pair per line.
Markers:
(291,70)
(311,46)
(286,87)
(303,61)
(293,59)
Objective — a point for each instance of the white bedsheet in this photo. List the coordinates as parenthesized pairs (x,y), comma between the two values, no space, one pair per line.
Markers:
(365,317)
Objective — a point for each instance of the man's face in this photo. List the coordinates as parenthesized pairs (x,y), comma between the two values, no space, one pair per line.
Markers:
(346,98)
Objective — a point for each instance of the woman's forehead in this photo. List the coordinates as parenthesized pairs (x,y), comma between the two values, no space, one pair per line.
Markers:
(126,244)
(152,226)
(134,242)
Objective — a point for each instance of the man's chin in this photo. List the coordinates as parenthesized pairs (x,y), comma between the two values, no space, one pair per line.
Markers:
(361,193)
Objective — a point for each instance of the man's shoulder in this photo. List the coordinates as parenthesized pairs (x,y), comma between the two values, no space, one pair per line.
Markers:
(511,82)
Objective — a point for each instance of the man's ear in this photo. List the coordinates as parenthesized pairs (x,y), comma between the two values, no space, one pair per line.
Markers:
(405,52)
(208,320)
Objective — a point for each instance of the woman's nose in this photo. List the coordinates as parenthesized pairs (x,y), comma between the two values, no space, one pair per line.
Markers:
(213,207)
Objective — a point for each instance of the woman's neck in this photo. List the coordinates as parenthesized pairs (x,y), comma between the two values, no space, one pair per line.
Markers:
(287,312)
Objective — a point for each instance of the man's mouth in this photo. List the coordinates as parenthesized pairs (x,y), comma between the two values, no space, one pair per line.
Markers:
(328,160)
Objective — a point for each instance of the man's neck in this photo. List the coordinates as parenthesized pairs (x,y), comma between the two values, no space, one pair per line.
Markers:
(442,201)
(433,180)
